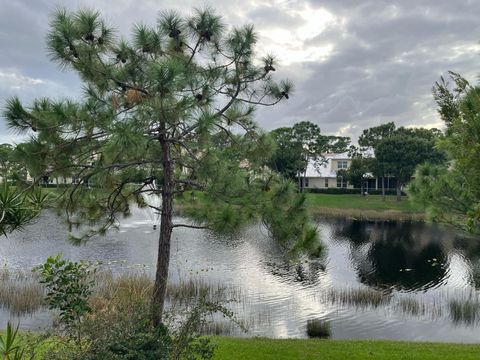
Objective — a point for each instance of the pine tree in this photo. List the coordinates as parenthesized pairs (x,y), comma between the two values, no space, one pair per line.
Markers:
(171,109)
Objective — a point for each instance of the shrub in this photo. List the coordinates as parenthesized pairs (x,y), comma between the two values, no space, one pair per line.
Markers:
(343,191)
(69,286)
(318,328)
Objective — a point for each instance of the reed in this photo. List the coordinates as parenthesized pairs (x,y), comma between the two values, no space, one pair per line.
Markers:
(465,311)
(317,328)
(411,306)
(20,292)
(358,297)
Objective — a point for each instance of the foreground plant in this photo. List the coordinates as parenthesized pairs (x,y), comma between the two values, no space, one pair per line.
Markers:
(69,287)
(170,110)
(18,207)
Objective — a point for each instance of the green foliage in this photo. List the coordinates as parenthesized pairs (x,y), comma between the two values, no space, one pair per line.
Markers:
(300,144)
(169,110)
(452,193)
(119,328)
(398,151)
(19,207)
(284,215)
(69,286)
(9,349)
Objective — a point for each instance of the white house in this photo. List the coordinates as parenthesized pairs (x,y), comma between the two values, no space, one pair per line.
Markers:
(324,175)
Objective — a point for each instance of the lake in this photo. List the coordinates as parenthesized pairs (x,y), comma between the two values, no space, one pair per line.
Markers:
(419,269)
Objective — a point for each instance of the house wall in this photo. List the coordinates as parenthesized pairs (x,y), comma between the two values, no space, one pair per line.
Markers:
(319,183)
(334,163)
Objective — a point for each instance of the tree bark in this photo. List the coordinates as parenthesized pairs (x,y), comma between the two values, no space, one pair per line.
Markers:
(166,226)
(399,190)
(383,188)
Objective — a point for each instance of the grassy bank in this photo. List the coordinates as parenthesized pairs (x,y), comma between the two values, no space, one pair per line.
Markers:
(271,349)
(369,207)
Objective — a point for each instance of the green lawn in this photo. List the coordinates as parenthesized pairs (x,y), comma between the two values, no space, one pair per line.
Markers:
(369,202)
(270,349)
(363,207)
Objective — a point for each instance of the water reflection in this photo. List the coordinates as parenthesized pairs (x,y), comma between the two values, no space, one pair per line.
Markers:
(279,297)
(401,256)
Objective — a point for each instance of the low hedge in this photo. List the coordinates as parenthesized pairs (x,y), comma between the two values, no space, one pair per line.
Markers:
(343,191)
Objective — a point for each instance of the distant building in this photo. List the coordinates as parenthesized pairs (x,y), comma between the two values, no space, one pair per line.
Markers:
(324,175)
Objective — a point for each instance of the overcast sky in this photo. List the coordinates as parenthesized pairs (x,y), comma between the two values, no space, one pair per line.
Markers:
(355,64)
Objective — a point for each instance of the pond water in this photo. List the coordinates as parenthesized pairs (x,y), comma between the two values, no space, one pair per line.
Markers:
(407,263)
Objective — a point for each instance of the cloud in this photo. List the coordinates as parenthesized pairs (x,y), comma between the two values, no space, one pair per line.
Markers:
(355,64)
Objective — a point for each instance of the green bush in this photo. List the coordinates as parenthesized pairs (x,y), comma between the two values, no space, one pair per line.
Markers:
(69,286)
(344,191)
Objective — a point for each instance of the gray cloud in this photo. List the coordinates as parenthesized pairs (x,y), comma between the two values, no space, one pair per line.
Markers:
(355,64)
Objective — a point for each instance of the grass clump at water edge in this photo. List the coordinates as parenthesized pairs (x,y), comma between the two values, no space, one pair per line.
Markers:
(318,328)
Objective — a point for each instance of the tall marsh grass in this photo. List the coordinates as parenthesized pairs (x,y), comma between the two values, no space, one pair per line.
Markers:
(20,292)
(465,309)
(358,297)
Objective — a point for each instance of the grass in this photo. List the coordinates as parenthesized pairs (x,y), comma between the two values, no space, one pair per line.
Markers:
(362,298)
(363,207)
(317,328)
(20,292)
(277,349)
(465,311)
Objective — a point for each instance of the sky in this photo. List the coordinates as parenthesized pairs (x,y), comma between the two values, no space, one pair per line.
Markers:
(355,64)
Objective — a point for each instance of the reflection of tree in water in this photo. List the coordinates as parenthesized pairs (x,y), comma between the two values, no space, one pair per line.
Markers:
(400,255)
(306,273)
(470,248)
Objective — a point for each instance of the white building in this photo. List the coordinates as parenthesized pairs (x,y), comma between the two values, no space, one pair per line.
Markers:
(324,175)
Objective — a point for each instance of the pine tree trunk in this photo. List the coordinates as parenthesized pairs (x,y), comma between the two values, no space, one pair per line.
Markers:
(383,188)
(166,226)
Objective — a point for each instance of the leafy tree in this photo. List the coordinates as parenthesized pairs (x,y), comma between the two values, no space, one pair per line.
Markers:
(176,102)
(356,172)
(5,160)
(299,145)
(398,151)
(372,136)
(401,153)
(370,139)
(287,158)
(452,193)
(69,285)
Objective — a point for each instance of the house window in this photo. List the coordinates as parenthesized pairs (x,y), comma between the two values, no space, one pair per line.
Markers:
(342,164)
(341,183)
(326,182)
(305,182)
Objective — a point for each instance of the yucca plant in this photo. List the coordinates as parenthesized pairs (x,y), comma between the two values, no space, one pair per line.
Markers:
(9,349)
(18,207)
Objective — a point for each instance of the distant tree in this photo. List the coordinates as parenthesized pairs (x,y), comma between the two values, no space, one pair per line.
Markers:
(177,101)
(451,192)
(301,144)
(287,158)
(370,139)
(418,143)
(372,136)
(401,153)
(5,159)
(356,172)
